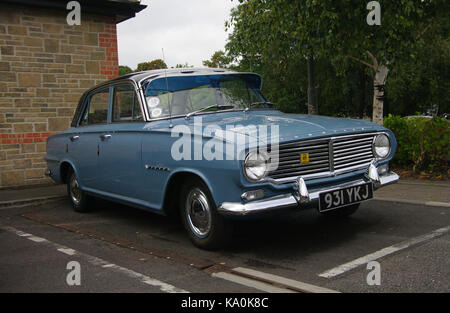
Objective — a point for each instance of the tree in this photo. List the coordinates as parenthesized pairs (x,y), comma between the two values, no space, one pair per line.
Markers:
(153,65)
(218,59)
(185,65)
(336,31)
(423,80)
(123,70)
(404,26)
(276,30)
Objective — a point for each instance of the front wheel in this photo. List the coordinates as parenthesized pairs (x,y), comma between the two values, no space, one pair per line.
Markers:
(342,212)
(206,228)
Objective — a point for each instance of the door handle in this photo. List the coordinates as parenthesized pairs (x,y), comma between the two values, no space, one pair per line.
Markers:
(73,138)
(104,137)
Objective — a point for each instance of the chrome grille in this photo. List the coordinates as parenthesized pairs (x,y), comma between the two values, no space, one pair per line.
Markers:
(354,151)
(347,153)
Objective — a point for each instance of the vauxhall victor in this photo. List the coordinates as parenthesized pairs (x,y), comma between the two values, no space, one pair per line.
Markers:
(206,143)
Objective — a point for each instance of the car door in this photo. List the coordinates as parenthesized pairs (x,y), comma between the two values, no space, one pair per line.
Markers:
(83,145)
(120,146)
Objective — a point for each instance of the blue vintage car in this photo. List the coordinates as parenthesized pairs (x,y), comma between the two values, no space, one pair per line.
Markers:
(207,144)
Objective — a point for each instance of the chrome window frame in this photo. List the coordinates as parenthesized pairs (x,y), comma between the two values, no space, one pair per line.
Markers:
(109,85)
(129,82)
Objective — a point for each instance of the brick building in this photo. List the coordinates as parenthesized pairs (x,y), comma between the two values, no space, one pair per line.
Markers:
(45,66)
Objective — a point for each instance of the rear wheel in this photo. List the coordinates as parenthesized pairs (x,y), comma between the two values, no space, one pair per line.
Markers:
(206,228)
(79,199)
(342,212)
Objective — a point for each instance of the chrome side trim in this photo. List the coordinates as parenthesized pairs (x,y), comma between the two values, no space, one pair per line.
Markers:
(157,168)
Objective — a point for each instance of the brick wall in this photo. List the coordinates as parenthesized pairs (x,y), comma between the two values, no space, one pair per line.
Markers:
(45,66)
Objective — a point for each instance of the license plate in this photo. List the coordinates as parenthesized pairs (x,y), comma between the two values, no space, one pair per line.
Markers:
(346,196)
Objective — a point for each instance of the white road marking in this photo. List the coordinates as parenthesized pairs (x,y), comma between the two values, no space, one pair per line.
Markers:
(285,281)
(67,251)
(36,239)
(383,252)
(438,204)
(251,283)
(415,202)
(165,287)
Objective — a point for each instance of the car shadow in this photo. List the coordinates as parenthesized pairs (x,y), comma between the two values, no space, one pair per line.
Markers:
(291,235)
(298,232)
(295,233)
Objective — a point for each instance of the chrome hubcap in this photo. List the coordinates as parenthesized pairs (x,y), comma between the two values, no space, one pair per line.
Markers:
(75,191)
(198,213)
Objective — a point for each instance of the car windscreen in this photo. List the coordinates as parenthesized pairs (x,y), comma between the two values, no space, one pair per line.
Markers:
(180,95)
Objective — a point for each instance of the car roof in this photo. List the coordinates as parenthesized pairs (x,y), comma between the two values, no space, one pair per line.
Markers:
(139,76)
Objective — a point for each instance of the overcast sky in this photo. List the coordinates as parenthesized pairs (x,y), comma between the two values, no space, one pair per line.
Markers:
(188,30)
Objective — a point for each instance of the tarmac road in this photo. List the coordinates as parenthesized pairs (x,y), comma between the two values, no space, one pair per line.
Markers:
(122,249)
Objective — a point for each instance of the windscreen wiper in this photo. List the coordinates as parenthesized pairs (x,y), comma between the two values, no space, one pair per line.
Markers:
(257,103)
(218,106)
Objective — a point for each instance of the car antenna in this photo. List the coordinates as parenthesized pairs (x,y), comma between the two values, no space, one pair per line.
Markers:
(167,91)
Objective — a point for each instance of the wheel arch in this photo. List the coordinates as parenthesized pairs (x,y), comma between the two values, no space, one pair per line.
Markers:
(64,169)
(173,189)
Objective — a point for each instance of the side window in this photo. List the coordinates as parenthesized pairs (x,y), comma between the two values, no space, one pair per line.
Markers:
(125,104)
(96,111)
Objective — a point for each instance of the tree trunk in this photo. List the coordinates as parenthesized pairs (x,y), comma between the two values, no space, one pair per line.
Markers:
(378,93)
(313,107)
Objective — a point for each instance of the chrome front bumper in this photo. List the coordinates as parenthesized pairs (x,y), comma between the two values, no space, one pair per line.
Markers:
(301,197)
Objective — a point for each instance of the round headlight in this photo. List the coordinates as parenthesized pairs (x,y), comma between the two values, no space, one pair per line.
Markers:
(256,165)
(381,146)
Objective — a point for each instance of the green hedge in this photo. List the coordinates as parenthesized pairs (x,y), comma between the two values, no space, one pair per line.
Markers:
(423,143)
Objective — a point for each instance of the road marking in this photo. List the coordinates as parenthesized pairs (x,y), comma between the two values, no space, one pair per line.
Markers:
(438,204)
(165,287)
(36,239)
(295,284)
(251,283)
(67,251)
(415,202)
(400,182)
(383,252)
(266,282)
(197,263)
